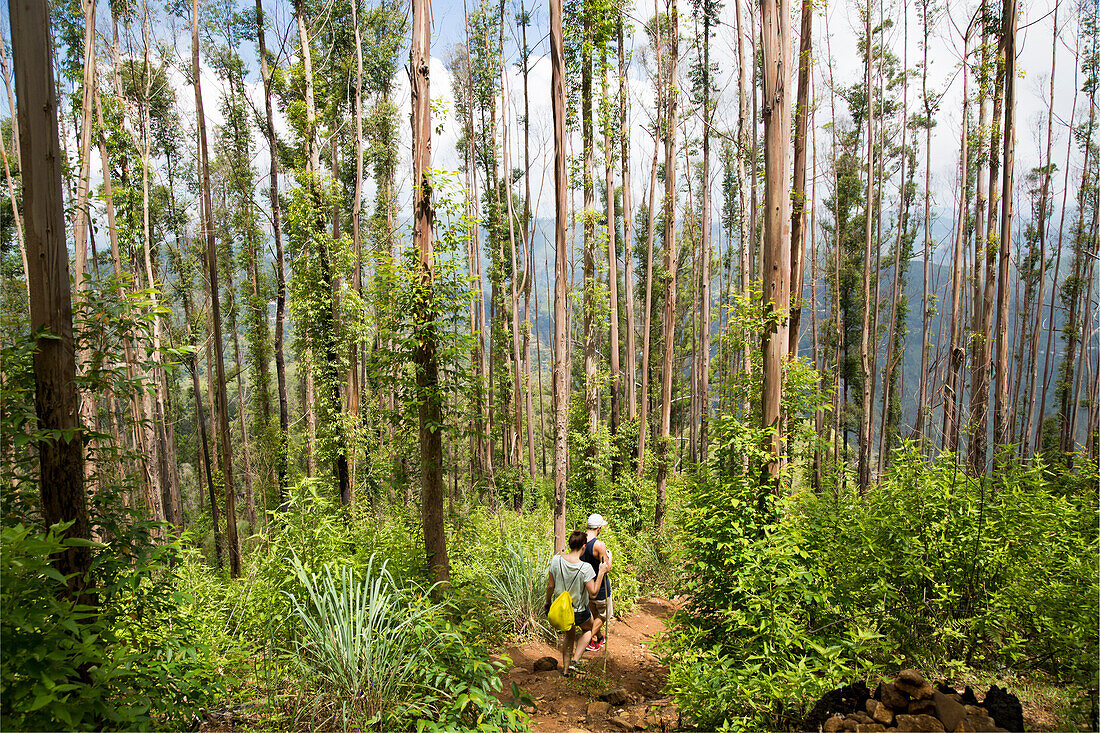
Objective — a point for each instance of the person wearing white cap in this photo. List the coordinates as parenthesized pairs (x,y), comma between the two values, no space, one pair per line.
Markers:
(595,553)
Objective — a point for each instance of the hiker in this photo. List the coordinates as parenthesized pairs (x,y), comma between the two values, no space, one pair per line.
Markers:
(568,573)
(596,552)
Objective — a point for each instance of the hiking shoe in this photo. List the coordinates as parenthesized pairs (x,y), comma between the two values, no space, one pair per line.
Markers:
(599,644)
(593,646)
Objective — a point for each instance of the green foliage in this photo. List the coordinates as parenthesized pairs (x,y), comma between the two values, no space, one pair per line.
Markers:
(517,587)
(132,663)
(364,638)
(754,647)
(459,690)
(968,571)
(791,596)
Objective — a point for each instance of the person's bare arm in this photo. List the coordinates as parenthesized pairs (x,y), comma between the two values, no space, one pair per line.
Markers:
(549,588)
(593,585)
(603,553)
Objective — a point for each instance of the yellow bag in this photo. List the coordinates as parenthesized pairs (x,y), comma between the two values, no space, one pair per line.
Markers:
(561,612)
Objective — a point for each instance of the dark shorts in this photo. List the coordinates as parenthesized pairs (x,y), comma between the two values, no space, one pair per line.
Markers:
(580,617)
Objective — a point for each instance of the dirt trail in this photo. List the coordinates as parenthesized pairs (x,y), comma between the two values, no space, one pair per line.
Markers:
(618,688)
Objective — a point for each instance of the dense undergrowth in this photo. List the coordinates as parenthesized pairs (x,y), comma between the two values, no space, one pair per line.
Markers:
(332,624)
(789,596)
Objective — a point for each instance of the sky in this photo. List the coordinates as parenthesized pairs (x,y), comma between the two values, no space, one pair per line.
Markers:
(838,58)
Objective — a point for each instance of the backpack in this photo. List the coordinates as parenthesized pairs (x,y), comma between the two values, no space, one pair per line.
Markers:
(561,610)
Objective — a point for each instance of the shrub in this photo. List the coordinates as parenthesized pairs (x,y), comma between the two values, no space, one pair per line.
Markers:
(131,663)
(757,642)
(931,568)
(968,571)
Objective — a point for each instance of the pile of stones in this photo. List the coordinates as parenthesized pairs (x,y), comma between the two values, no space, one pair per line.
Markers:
(909,703)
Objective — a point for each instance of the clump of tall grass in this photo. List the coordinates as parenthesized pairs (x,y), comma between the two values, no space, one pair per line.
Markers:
(517,587)
(364,638)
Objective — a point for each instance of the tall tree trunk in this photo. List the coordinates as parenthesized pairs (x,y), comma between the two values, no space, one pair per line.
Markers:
(902,224)
(775,29)
(612,274)
(164,495)
(1072,295)
(280,265)
(798,198)
(427,359)
(222,408)
(1001,421)
(528,260)
(56,402)
(956,353)
(865,346)
(249,496)
(538,348)
(703,380)
(980,198)
(1048,354)
(745,152)
(643,410)
(81,219)
(591,384)
(561,319)
(819,413)
(668,316)
(628,231)
(979,400)
(200,420)
(515,445)
(919,428)
(651,233)
(836,316)
(356,234)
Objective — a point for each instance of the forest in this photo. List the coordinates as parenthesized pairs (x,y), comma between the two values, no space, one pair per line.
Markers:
(324,324)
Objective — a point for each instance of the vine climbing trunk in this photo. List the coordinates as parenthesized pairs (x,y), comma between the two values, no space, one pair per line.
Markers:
(424,320)
(221,406)
(668,315)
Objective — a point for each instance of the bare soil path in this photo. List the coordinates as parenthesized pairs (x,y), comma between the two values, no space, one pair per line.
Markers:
(618,688)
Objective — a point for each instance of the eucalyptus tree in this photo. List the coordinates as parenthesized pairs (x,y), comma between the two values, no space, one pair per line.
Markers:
(982,359)
(61,461)
(704,88)
(628,239)
(382,33)
(238,220)
(1001,420)
(865,343)
(1075,290)
(657,30)
(798,197)
(207,223)
(283,435)
(955,353)
(668,318)
(318,264)
(776,263)
(588,30)
(904,235)
(424,330)
(561,385)
(460,65)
